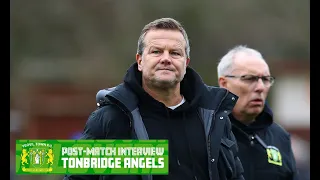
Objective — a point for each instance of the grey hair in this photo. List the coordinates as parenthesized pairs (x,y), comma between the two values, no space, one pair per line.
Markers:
(163,23)
(226,62)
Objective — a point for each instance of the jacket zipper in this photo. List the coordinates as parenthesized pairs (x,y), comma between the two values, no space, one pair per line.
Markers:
(210,160)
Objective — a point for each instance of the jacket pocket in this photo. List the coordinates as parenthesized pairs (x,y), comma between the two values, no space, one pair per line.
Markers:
(227,162)
(228,143)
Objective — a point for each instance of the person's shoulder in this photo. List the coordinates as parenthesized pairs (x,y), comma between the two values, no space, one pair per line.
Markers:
(121,95)
(219,91)
(107,112)
(214,88)
(104,119)
(279,130)
(105,115)
(214,97)
(214,91)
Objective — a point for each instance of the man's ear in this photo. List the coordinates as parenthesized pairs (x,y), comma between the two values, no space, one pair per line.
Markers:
(222,82)
(139,61)
(188,61)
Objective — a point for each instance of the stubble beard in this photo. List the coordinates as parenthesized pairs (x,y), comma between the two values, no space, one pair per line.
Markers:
(163,84)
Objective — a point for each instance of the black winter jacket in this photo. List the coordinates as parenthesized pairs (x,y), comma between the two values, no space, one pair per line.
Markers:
(201,143)
(255,139)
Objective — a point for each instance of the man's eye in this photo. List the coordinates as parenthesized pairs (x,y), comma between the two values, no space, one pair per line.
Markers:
(175,53)
(156,52)
(248,78)
(266,79)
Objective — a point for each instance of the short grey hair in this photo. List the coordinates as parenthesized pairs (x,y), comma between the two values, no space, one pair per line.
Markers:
(226,62)
(163,23)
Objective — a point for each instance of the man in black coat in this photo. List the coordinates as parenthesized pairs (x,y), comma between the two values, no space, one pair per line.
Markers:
(162,98)
(264,146)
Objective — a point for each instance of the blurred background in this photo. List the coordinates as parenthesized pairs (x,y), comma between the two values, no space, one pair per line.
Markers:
(63,51)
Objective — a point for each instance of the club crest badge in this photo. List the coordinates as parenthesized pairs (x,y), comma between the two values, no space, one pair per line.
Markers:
(36,157)
(274,155)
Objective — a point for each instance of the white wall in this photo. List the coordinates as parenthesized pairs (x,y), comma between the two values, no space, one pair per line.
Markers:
(291,100)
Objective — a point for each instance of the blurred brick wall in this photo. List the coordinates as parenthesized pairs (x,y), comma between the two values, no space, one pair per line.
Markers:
(57,111)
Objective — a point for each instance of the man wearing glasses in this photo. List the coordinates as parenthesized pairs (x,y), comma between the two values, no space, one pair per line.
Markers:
(264,146)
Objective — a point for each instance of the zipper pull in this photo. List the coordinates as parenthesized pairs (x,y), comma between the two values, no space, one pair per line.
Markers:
(178,162)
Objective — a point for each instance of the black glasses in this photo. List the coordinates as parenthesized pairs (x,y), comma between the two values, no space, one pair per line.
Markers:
(267,80)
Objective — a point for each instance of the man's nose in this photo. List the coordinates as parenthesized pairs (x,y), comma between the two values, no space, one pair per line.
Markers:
(260,86)
(165,58)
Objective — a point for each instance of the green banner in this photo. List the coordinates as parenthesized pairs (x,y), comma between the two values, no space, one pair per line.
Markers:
(92,157)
